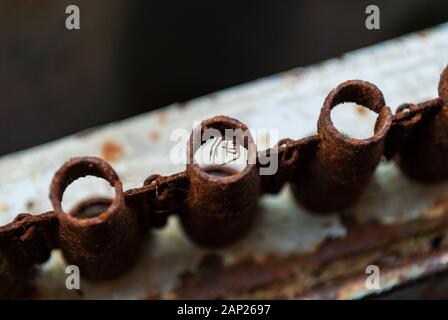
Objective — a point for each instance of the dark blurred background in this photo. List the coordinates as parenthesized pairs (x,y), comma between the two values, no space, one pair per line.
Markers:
(134,56)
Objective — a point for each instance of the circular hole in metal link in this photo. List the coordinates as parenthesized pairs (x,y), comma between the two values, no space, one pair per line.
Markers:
(354,120)
(363,94)
(77,168)
(221,147)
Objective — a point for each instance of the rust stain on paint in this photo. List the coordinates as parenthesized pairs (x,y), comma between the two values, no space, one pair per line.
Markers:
(111,151)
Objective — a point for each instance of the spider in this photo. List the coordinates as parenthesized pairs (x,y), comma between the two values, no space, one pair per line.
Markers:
(234,149)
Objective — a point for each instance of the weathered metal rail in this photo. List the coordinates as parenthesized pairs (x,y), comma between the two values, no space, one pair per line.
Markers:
(327,173)
(327,165)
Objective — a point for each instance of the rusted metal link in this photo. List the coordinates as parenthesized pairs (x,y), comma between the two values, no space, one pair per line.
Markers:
(327,173)
(28,240)
(159,198)
(292,156)
(342,165)
(102,242)
(422,142)
(14,272)
(220,209)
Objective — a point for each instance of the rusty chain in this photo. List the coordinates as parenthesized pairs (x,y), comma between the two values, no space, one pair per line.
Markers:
(326,172)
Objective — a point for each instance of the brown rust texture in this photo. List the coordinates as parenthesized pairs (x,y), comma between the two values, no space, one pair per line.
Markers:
(154,136)
(327,172)
(327,271)
(101,245)
(342,166)
(111,151)
(422,155)
(220,209)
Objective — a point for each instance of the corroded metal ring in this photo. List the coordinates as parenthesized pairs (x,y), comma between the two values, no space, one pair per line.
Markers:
(221,124)
(210,217)
(77,168)
(423,155)
(94,242)
(343,165)
(362,93)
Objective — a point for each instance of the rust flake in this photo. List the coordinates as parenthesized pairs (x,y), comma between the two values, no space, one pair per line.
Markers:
(4,207)
(30,205)
(154,136)
(111,151)
(361,110)
(161,117)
